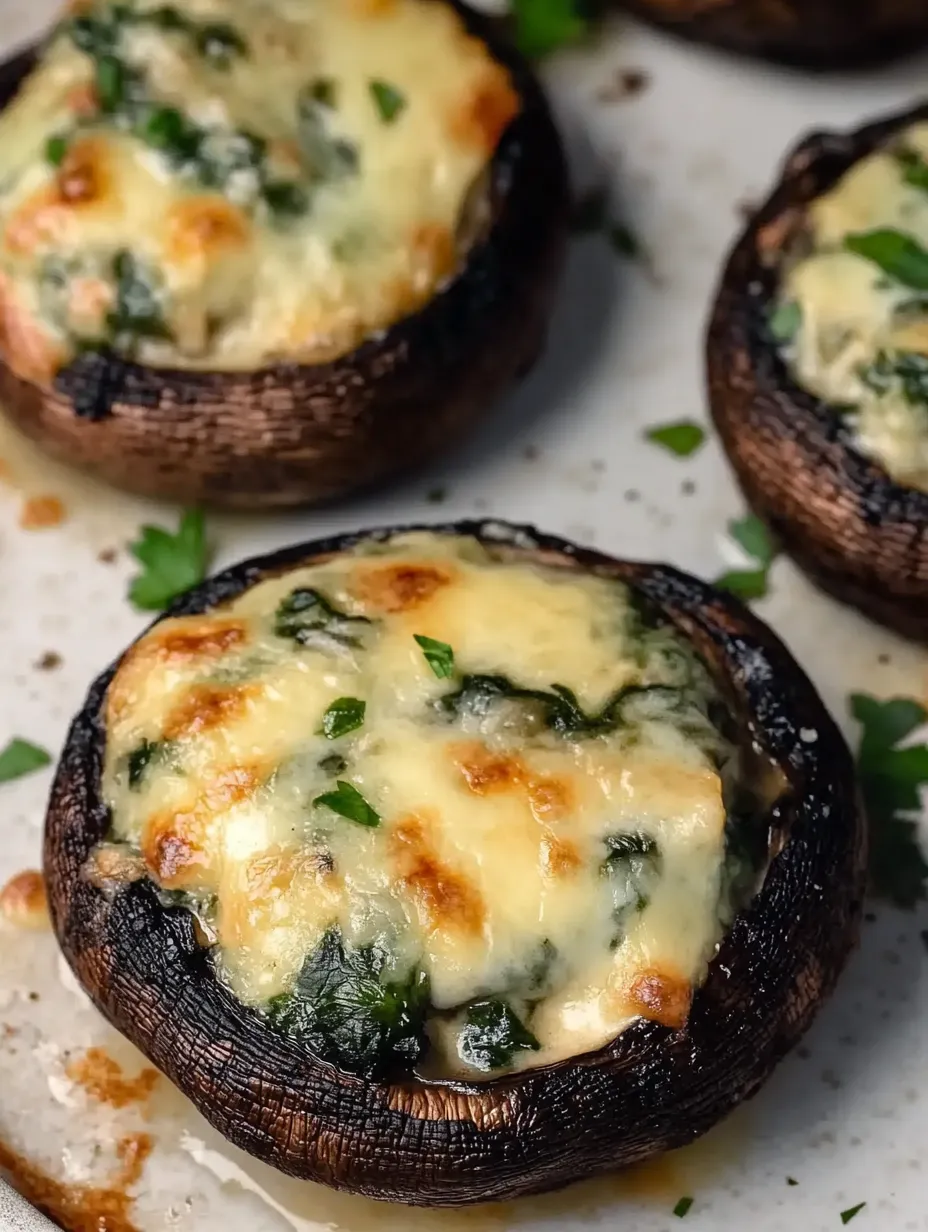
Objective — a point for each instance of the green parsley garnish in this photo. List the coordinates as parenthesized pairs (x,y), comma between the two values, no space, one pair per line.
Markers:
(785,320)
(752,535)
(683,1207)
(848,1215)
(791,1180)
(682,438)
(387,99)
(285,198)
(542,26)
(323,91)
(172,562)
(890,779)
(55,149)
(348,802)
(438,655)
(345,715)
(20,757)
(897,255)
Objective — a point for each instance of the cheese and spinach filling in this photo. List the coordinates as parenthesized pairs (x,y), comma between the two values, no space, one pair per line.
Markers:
(434,804)
(853,310)
(225,184)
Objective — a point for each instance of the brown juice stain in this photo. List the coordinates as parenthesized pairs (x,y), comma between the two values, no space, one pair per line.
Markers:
(104,1079)
(23,901)
(83,1208)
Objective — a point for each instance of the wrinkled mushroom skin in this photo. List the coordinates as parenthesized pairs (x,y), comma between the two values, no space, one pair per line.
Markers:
(450,1144)
(300,434)
(862,536)
(810,33)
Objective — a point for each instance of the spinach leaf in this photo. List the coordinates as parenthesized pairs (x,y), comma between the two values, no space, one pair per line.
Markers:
(285,198)
(140,759)
(346,714)
(907,368)
(897,255)
(346,1008)
(330,157)
(492,1034)
(309,619)
(219,43)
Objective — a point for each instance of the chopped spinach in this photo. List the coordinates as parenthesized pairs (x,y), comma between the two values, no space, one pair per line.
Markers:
(349,1007)
(542,26)
(169,130)
(348,802)
(334,764)
(137,311)
(285,198)
(346,714)
(140,759)
(899,256)
(914,168)
(492,1034)
(632,864)
(330,157)
(309,619)
(785,321)
(906,369)
(323,91)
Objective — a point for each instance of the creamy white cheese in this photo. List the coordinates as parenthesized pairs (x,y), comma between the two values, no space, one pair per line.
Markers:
(286,178)
(543,851)
(860,340)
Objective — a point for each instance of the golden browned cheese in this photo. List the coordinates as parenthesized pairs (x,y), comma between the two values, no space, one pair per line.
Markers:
(283,189)
(492,834)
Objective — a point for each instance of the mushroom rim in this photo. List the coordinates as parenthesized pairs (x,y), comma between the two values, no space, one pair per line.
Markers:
(124,380)
(749,285)
(810,902)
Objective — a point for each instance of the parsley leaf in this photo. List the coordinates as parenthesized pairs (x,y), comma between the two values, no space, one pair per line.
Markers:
(908,368)
(897,255)
(388,100)
(791,1180)
(492,1034)
(752,535)
(848,1215)
(348,802)
(890,779)
(345,715)
(55,149)
(542,26)
(682,438)
(172,562)
(20,758)
(784,321)
(438,655)
(683,1207)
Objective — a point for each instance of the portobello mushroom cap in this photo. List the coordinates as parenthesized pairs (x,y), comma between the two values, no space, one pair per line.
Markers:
(861,535)
(292,434)
(810,33)
(450,1143)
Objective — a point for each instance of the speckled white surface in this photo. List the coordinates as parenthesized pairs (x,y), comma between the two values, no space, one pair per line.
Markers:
(846,1116)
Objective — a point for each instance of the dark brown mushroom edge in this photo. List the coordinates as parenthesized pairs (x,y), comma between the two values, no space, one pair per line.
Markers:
(442,1074)
(432,279)
(819,34)
(823,411)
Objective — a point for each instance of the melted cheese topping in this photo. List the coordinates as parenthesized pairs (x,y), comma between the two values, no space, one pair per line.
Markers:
(285,178)
(862,337)
(502,834)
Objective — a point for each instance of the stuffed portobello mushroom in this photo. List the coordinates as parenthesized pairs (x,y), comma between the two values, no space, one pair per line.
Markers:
(818,365)
(811,33)
(450,864)
(262,254)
